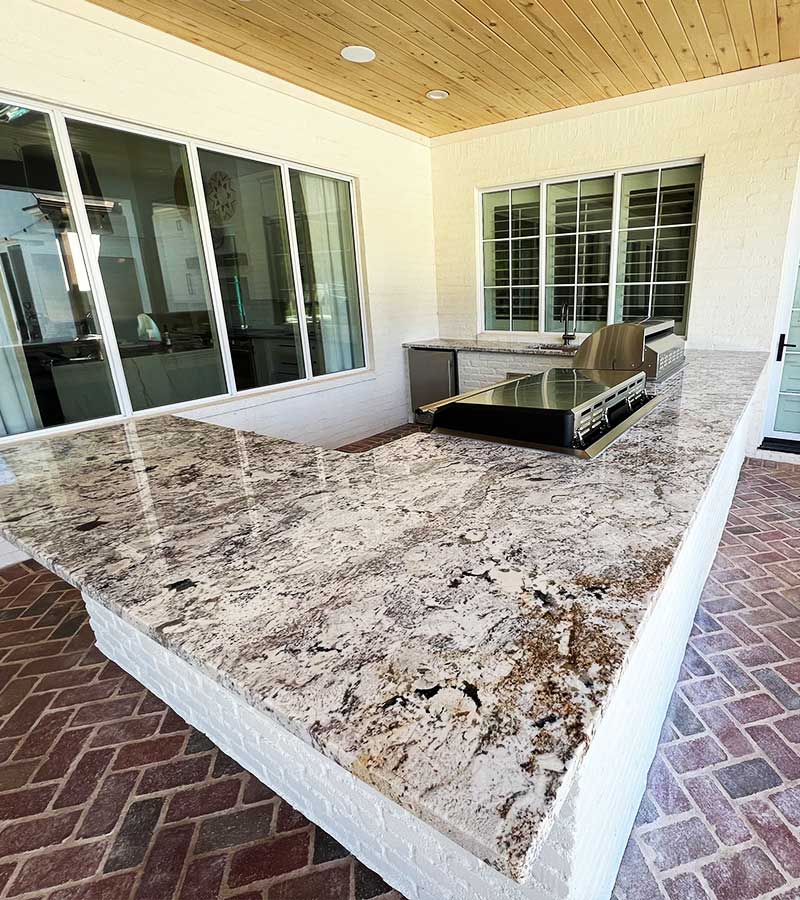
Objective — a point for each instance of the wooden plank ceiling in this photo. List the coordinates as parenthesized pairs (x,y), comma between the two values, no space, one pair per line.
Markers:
(499,59)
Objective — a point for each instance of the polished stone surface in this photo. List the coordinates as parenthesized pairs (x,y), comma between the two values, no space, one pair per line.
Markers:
(443,617)
(489,346)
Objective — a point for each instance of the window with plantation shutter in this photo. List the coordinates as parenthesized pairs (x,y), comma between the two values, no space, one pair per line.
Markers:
(588,251)
(656,244)
(511,259)
(579,220)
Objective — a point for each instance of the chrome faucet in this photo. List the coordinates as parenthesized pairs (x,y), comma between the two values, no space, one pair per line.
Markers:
(568,336)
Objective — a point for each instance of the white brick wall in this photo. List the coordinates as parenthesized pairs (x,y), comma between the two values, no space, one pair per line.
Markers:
(479,369)
(326,415)
(749,136)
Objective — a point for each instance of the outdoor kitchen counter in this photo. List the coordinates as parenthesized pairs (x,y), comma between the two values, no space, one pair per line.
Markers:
(444,618)
(468,345)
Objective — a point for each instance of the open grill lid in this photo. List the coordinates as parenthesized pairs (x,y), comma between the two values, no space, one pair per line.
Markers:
(650,345)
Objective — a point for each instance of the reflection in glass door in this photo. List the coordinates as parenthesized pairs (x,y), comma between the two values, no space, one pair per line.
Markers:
(144,221)
(53,364)
(246,211)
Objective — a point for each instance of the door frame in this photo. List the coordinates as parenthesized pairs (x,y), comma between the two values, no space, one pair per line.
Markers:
(790,275)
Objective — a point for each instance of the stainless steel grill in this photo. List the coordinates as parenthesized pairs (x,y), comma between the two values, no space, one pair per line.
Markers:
(577,411)
(650,346)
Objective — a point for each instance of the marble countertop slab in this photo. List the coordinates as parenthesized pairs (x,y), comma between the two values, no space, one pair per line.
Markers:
(491,346)
(445,618)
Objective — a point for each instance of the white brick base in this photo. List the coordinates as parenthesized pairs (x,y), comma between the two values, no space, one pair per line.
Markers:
(411,856)
(580,856)
(611,781)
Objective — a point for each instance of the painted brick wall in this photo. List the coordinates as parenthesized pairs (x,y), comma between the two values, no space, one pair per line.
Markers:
(139,74)
(481,369)
(747,133)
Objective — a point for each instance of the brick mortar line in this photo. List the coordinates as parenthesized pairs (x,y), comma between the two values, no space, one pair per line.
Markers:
(74,840)
(307,869)
(724,850)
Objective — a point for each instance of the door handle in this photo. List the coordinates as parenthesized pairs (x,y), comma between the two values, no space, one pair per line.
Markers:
(782,345)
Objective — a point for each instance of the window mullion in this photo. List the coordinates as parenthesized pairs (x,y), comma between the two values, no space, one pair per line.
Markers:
(612,267)
(83,228)
(510,268)
(577,258)
(355,224)
(204,223)
(294,254)
(655,249)
(542,257)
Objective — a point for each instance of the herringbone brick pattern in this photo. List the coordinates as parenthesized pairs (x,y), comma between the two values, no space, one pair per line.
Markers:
(105,794)
(721,814)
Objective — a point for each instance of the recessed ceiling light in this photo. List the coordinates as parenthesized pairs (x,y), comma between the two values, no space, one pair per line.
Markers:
(358,54)
(437,95)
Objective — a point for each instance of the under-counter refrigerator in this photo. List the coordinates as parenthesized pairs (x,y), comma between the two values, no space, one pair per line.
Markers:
(433,375)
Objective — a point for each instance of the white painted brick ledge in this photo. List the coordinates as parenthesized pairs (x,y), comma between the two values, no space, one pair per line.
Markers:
(411,856)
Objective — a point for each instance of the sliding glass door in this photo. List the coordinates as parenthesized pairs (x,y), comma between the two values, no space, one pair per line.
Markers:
(323,217)
(247,215)
(54,368)
(138,197)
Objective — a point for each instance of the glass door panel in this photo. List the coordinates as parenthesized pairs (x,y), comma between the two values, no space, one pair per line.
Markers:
(147,240)
(324,226)
(787,402)
(251,251)
(790,378)
(53,364)
(787,416)
(793,336)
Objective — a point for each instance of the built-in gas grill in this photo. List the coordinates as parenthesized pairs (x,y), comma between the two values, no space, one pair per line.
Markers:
(581,410)
(578,411)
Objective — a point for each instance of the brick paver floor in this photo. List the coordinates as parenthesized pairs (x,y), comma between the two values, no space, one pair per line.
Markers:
(378,440)
(721,814)
(105,794)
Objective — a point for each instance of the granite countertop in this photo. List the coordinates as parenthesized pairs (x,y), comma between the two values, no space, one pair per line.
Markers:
(492,346)
(445,618)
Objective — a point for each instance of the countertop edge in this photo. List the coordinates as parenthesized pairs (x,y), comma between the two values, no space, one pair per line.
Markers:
(472,346)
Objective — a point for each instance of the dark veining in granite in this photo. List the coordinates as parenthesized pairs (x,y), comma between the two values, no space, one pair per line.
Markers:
(443,617)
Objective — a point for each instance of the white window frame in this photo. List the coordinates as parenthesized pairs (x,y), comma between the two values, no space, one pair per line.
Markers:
(543,184)
(58,115)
